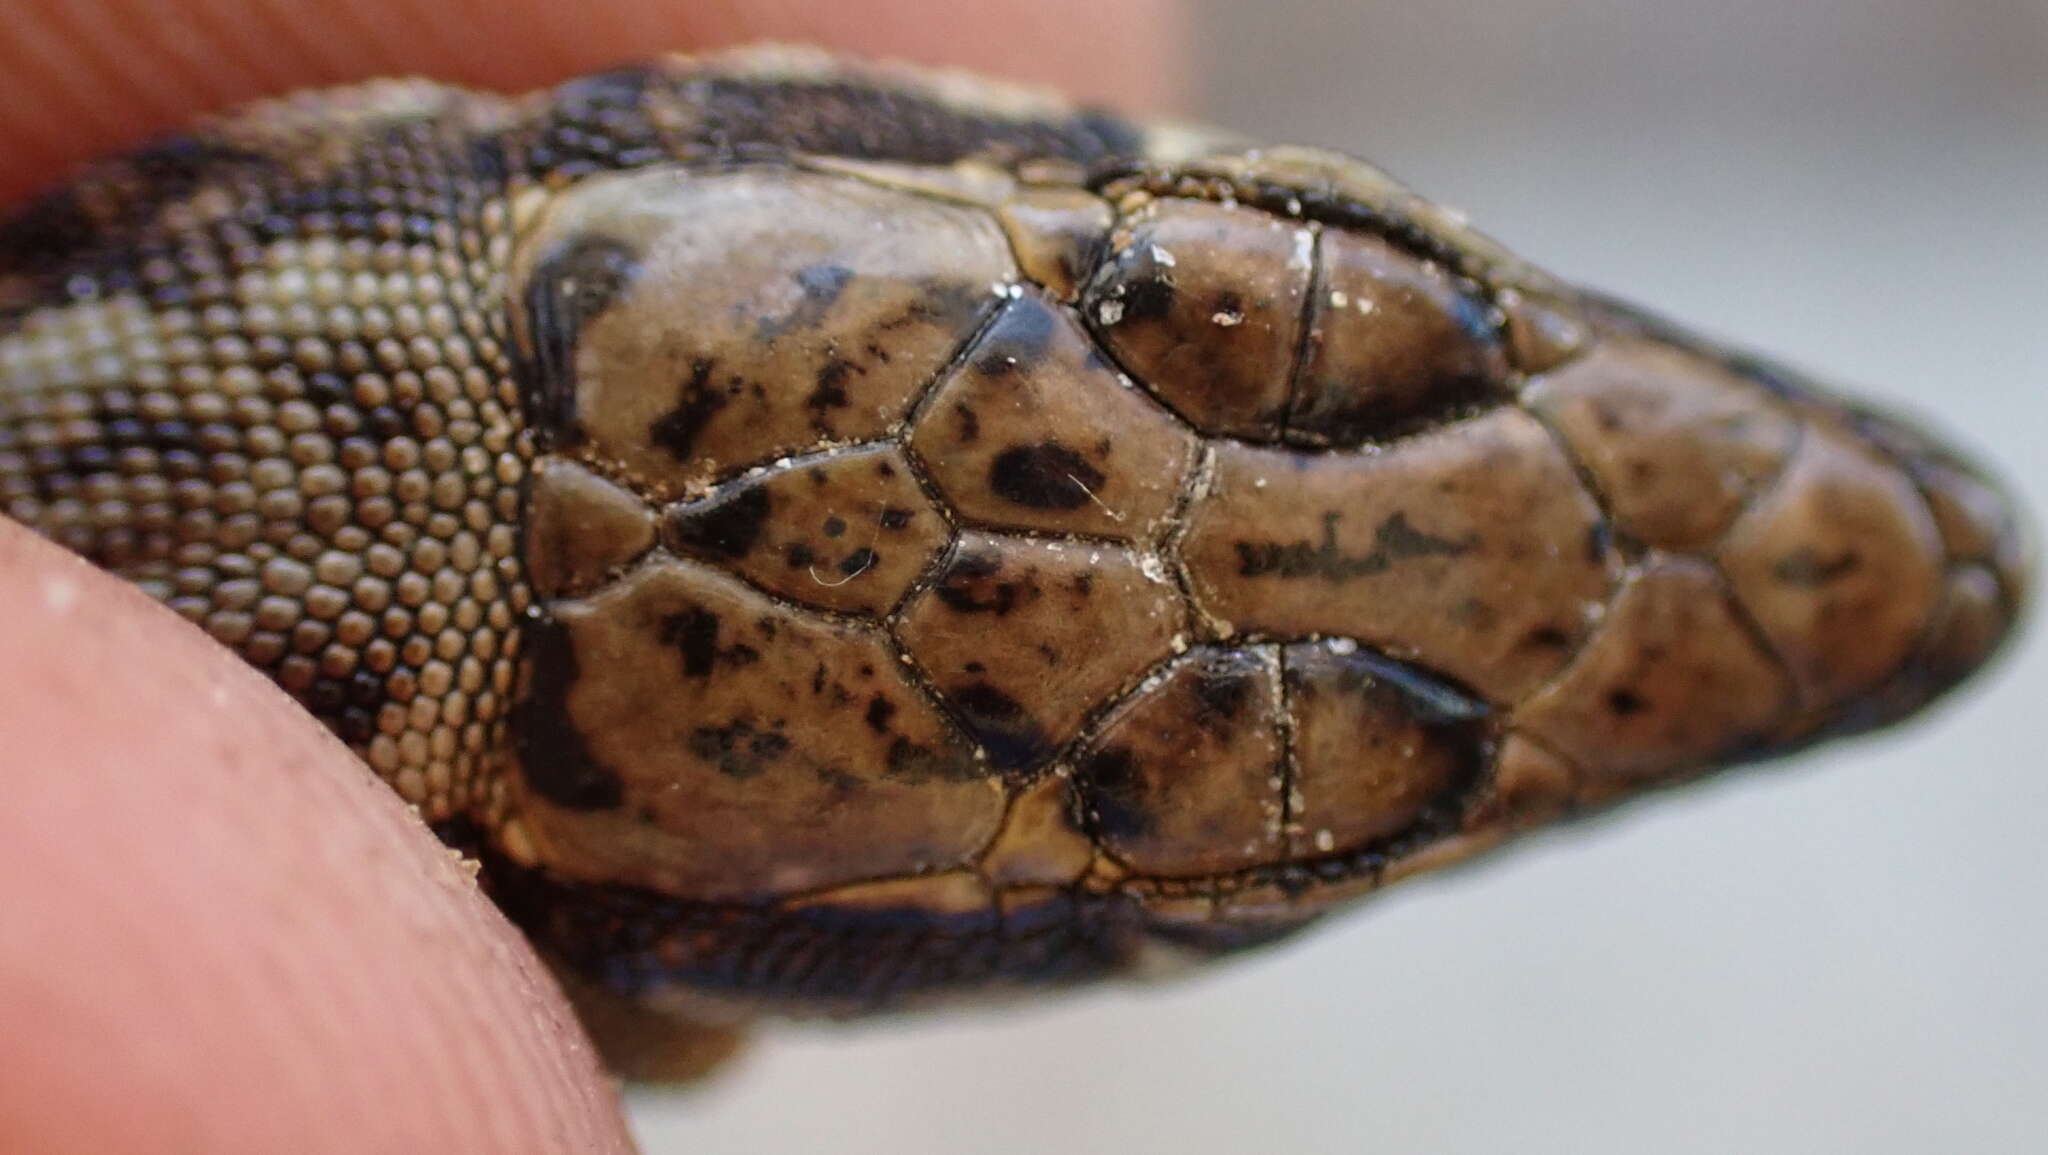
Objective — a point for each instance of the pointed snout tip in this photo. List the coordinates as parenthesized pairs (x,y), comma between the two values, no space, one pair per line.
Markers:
(1989,546)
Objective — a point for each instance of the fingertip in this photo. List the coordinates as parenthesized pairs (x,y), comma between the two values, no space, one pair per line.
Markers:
(222,933)
(84,80)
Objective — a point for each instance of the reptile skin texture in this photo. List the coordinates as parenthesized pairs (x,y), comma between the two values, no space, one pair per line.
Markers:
(831,539)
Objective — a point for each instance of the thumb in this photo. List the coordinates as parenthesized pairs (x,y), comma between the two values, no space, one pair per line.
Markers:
(222,933)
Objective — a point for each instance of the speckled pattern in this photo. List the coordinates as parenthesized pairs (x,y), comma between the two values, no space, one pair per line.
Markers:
(828,538)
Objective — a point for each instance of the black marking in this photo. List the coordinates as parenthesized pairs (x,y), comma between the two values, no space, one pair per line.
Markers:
(1806,568)
(831,385)
(1016,340)
(1623,703)
(571,286)
(697,402)
(111,202)
(821,285)
(1044,476)
(596,123)
(894,517)
(1002,727)
(966,586)
(554,758)
(744,116)
(835,526)
(723,526)
(820,956)
(1599,539)
(1345,411)
(839,780)
(1222,937)
(858,562)
(966,424)
(1132,288)
(880,711)
(1395,540)
(1222,685)
(1115,792)
(824,282)
(1118,135)
(799,556)
(739,750)
(694,632)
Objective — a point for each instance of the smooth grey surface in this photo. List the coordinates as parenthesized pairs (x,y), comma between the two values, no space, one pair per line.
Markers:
(1841,955)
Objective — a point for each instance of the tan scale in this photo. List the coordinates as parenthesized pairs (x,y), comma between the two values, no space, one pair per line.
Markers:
(1040,844)
(1412,549)
(1840,565)
(1373,748)
(848,530)
(1189,776)
(1673,679)
(1678,445)
(1203,302)
(595,464)
(1392,340)
(581,528)
(1023,638)
(859,291)
(691,736)
(1036,430)
(1056,233)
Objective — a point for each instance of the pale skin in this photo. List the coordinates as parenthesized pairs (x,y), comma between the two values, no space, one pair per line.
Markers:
(222,933)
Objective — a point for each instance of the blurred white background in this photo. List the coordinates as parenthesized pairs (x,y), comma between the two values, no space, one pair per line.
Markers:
(1843,956)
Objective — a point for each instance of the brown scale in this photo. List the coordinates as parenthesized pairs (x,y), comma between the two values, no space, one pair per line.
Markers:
(1471,548)
(1840,565)
(581,528)
(1392,341)
(850,299)
(1376,747)
(836,540)
(1024,638)
(1673,680)
(849,530)
(1189,776)
(697,738)
(1677,445)
(1035,430)
(1203,303)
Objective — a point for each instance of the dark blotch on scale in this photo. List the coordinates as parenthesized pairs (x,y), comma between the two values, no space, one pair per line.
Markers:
(1044,476)
(1001,725)
(1222,690)
(570,287)
(695,634)
(967,585)
(821,285)
(1117,801)
(741,750)
(553,755)
(1016,341)
(697,402)
(1394,540)
(725,526)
